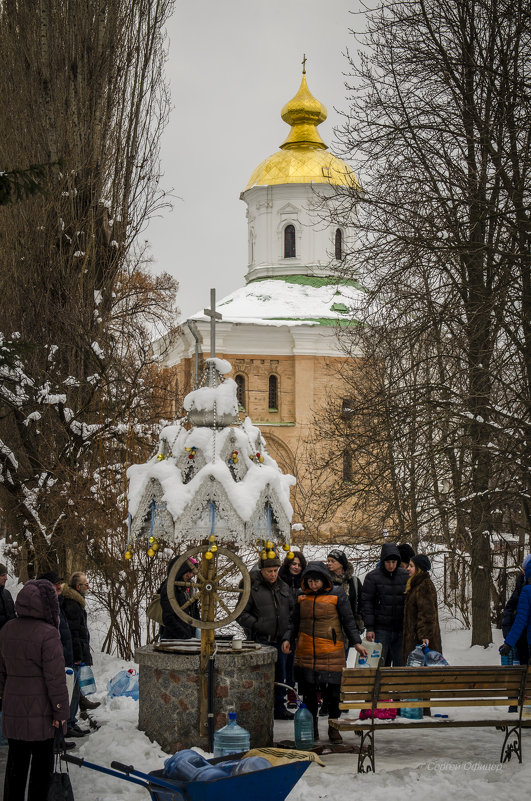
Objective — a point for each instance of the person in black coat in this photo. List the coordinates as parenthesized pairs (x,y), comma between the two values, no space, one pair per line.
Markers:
(342,572)
(291,574)
(64,628)
(74,607)
(173,628)
(382,603)
(266,619)
(7,607)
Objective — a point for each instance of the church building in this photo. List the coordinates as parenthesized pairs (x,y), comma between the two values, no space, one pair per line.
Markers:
(279,330)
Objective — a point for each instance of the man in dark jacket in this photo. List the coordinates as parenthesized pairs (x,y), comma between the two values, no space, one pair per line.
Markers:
(382,602)
(266,619)
(7,607)
(76,614)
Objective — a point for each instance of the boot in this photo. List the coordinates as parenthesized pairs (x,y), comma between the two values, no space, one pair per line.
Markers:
(334,736)
(86,703)
(316,729)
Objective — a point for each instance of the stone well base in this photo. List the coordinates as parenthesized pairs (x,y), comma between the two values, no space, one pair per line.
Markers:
(169,695)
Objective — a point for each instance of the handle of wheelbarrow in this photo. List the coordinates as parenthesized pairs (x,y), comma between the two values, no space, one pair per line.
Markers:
(122,767)
(129,770)
(82,763)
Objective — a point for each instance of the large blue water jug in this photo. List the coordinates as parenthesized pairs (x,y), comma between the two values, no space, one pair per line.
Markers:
(124,683)
(303,728)
(416,657)
(189,766)
(412,712)
(231,739)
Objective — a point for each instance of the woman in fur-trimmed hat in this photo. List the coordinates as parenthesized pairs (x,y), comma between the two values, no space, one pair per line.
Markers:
(421,615)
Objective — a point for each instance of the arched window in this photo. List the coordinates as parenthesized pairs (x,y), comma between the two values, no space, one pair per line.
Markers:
(273,393)
(289,242)
(339,244)
(240,390)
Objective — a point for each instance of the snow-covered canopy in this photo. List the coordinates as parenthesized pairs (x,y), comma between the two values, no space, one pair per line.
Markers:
(207,479)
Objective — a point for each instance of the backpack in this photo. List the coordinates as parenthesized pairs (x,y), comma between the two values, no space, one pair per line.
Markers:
(154,609)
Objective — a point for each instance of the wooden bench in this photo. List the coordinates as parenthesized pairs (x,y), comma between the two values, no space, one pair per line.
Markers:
(435,687)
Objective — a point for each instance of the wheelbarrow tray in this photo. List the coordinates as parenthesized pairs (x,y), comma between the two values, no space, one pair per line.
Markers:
(272,784)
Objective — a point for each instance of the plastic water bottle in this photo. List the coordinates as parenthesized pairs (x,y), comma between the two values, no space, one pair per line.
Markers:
(303,728)
(231,739)
(86,681)
(189,766)
(69,675)
(416,657)
(249,765)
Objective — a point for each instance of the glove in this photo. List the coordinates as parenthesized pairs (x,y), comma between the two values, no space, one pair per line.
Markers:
(505,649)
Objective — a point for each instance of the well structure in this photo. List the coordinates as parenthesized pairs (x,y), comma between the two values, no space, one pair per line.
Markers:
(210,490)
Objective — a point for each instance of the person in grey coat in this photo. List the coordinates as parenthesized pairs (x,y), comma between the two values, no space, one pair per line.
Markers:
(33,690)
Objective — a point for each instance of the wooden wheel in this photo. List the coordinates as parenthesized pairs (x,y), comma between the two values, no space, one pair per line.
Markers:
(221,585)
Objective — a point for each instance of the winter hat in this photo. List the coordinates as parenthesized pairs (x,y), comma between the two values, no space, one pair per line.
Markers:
(3,570)
(267,562)
(406,552)
(51,576)
(422,562)
(340,557)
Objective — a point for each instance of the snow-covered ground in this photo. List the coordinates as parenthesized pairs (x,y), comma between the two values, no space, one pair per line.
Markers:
(460,763)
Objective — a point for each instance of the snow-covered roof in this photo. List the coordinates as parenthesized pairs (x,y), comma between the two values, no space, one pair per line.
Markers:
(292,300)
(208,477)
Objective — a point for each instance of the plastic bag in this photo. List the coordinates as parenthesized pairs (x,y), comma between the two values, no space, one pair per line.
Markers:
(124,684)
(388,713)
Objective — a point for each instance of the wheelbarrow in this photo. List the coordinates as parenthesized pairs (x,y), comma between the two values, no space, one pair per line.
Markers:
(270,784)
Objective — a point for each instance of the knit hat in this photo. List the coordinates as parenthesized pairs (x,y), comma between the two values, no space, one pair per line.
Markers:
(422,562)
(3,570)
(267,562)
(340,557)
(51,576)
(406,552)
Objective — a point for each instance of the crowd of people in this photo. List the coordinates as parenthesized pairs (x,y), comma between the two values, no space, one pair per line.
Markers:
(312,613)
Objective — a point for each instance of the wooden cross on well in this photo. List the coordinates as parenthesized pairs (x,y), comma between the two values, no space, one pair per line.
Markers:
(214,315)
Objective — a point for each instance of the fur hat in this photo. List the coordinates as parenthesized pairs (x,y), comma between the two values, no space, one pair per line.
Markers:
(422,562)
(3,570)
(339,556)
(274,562)
(406,552)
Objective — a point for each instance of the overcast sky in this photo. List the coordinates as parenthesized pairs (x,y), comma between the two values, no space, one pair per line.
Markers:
(232,65)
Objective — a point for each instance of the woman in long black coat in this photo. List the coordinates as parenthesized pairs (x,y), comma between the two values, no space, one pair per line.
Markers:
(421,615)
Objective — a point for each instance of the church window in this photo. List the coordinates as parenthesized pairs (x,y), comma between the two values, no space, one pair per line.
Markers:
(339,244)
(347,465)
(273,393)
(240,391)
(347,408)
(289,242)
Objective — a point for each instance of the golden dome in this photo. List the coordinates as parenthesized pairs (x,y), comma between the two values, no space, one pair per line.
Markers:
(302,158)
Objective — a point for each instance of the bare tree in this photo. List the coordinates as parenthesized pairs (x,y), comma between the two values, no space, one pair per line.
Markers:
(438,130)
(85,87)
